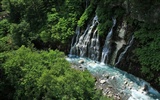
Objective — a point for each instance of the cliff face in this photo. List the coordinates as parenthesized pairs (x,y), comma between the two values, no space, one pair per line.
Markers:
(110,36)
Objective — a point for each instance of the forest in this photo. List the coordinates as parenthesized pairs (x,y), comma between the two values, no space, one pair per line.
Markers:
(35,38)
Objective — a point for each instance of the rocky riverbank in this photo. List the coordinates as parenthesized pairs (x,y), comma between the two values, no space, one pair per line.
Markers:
(115,83)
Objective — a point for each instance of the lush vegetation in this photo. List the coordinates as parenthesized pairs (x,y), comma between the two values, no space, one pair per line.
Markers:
(147,33)
(143,18)
(148,52)
(43,22)
(43,75)
(27,71)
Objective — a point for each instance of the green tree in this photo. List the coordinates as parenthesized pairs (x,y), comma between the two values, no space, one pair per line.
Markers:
(44,75)
(148,52)
(4,29)
(6,41)
(20,33)
(48,20)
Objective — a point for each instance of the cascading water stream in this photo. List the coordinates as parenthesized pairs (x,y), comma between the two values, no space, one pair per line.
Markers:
(110,80)
(94,47)
(120,42)
(106,48)
(73,46)
(88,43)
(124,52)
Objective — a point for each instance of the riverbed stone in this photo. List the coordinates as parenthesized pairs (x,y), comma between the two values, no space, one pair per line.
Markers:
(125,82)
(106,76)
(80,66)
(81,61)
(109,85)
(145,87)
(102,81)
(113,78)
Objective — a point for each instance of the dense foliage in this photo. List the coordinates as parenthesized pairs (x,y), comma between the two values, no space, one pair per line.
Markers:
(28,74)
(146,13)
(148,52)
(40,75)
(46,22)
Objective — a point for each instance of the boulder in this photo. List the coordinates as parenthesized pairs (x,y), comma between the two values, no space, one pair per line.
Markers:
(106,75)
(145,87)
(81,61)
(102,81)
(80,66)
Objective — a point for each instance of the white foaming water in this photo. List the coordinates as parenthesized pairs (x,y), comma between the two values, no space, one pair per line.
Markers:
(87,44)
(106,46)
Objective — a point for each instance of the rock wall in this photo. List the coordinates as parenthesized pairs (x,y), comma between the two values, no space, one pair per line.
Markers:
(114,43)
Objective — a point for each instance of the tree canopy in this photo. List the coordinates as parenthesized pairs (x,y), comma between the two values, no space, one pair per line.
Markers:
(27,71)
(42,75)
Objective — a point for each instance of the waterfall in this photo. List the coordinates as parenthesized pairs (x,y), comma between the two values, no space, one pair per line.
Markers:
(110,80)
(106,47)
(87,45)
(94,47)
(124,52)
(73,45)
(120,42)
